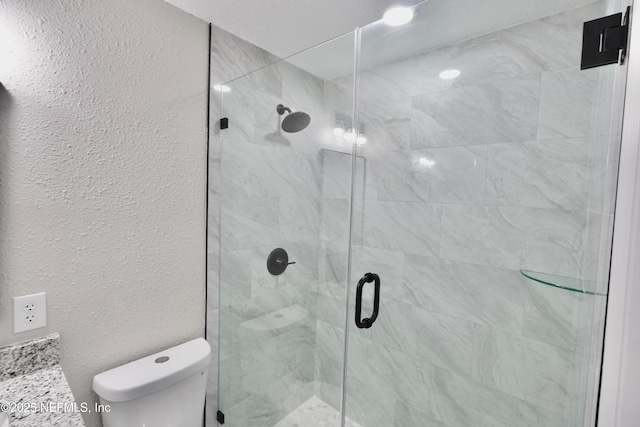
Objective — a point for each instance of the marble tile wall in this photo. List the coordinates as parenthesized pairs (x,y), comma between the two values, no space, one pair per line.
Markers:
(465,183)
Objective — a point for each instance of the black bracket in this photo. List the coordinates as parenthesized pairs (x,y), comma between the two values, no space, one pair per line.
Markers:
(603,39)
(220,417)
(224,123)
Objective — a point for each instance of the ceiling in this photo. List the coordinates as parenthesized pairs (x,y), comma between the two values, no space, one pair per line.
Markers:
(285,27)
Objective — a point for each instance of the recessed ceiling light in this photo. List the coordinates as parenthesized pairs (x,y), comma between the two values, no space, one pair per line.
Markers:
(397,16)
(449,74)
(221,88)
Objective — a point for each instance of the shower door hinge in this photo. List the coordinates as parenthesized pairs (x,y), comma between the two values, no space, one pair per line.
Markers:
(220,417)
(224,123)
(604,40)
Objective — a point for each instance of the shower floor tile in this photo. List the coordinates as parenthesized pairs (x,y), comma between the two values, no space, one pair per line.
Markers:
(314,413)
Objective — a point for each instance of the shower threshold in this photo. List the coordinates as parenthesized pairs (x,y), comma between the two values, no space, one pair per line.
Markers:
(314,413)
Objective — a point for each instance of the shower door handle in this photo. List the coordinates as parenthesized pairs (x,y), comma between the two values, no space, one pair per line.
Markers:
(367,322)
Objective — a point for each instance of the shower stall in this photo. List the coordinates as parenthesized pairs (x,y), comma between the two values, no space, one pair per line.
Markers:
(440,203)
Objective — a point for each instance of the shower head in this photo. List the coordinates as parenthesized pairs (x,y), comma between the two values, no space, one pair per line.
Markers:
(294,122)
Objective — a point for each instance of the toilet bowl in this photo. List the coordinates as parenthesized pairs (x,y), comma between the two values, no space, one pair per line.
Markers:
(166,389)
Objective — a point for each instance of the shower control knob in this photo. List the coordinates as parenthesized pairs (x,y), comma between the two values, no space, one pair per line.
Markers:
(278,261)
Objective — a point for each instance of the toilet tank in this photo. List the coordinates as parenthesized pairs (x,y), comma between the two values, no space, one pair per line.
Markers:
(166,389)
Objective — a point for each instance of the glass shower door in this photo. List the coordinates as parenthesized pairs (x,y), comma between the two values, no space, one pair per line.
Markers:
(485,210)
(284,223)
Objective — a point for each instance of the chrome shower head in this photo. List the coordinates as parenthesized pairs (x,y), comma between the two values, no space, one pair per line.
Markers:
(294,122)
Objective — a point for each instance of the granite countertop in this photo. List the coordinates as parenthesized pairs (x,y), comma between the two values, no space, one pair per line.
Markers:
(33,387)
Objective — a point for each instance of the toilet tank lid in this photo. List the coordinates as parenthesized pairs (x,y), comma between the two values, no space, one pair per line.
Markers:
(152,373)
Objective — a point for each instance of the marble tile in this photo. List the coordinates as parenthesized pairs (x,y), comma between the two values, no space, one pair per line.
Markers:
(301,90)
(553,315)
(232,316)
(248,222)
(567,100)
(603,172)
(494,57)
(214,192)
(238,106)
(267,79)
(335,220)
(233,57)
(235,277)
(330,341)
(457,400)
(523,49)
(331,310)
(389,265)
(407,77)
(271,404)
(606,117)
(379,85)
(406,415)
(302,274)
(546,240)
(531,370)
(215,114)
(369,408)
(491,113)
(336,174)
(443,340)
(402,227)
(485,295)
(398,176)
(457,173)
(276,323)
(254,170)
(400,377)
(373,406)
(604,255)
(611,177)
(386,124)
(332,264)
(542,174)
(597,251)
(213,275)
(299,219)
(338,95)
(269,361)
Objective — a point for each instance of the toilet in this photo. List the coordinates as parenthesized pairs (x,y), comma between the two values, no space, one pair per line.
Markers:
(166,389)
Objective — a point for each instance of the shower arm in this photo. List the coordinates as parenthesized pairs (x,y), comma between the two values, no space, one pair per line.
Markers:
(281,109)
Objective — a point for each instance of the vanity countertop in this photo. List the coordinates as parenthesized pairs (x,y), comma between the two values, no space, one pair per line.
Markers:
(33,386)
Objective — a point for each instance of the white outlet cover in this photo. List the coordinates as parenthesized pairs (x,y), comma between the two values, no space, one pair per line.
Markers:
(29,312)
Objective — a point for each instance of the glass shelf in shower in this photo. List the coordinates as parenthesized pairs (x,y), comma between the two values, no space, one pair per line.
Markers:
(571,284)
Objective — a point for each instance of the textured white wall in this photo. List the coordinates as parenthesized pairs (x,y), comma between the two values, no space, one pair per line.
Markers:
(102,176)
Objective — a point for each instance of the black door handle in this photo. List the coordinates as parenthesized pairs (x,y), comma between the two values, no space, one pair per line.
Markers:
(367,322)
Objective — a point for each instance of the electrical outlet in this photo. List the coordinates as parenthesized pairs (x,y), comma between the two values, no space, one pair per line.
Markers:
(29,312)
